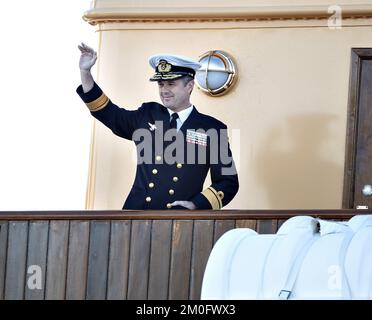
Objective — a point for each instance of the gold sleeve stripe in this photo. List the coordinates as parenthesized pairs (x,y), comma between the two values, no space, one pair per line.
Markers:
(211,197)
(99,103)
(217,196)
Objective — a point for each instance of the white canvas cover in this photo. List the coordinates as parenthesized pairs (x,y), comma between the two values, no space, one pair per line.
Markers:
(307,258)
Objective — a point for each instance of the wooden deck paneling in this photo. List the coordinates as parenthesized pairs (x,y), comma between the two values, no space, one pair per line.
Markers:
(139,260)
(3,255)
(36,257)
(98,260)
(161,241)
(16,260)
(77,266)
(57,260)
(119,260)
(121,255)
(179,277)
(202,244)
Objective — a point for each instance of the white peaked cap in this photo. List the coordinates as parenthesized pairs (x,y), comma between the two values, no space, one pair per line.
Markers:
(175,60)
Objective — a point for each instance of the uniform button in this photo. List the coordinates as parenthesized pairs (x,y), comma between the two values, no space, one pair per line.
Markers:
(154,171)
(148,199)
(175,179)
(158,158)
(169,205)
(171,191)
(179,165)
(151,185)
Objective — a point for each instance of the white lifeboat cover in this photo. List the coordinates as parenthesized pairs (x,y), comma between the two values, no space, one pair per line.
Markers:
(317,259)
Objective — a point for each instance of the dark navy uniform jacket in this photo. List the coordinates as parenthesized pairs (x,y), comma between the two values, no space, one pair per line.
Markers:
(158,183)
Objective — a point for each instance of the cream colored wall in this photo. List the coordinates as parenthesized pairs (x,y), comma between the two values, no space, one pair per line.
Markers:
(289,105)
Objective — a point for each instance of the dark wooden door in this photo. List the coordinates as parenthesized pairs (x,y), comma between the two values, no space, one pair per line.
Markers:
(358,153)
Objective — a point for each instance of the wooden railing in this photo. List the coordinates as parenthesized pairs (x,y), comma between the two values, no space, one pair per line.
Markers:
(121,254)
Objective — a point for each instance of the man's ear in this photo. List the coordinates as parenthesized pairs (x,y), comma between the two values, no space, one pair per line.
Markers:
(190,85)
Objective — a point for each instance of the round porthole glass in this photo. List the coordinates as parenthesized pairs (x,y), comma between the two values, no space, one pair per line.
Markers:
(217,74)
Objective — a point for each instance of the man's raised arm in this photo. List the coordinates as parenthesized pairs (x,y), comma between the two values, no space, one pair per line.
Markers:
(122,122)
(87,60)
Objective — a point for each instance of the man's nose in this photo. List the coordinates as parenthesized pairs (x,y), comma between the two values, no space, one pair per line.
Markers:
(164,90)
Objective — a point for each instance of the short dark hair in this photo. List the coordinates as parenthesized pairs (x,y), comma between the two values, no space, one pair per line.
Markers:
(186,79)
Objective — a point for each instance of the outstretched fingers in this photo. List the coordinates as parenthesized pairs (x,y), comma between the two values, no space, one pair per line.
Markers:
(86,49)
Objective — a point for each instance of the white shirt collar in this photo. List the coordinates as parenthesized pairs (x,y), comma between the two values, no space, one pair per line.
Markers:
(183,115)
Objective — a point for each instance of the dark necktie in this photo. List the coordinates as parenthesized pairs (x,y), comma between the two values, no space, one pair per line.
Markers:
(173,122)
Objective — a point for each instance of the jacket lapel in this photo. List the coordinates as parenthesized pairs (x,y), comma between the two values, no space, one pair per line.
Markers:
(192,122)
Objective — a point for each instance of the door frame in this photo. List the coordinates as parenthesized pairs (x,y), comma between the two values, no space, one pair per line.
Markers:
(357,56)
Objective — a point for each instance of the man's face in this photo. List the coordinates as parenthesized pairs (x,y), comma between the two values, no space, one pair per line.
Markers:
(174,94)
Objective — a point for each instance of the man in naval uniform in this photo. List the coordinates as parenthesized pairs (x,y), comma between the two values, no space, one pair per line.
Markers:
(181,145)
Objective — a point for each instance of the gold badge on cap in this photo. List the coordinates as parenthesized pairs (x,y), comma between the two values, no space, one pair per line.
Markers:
(164,66)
